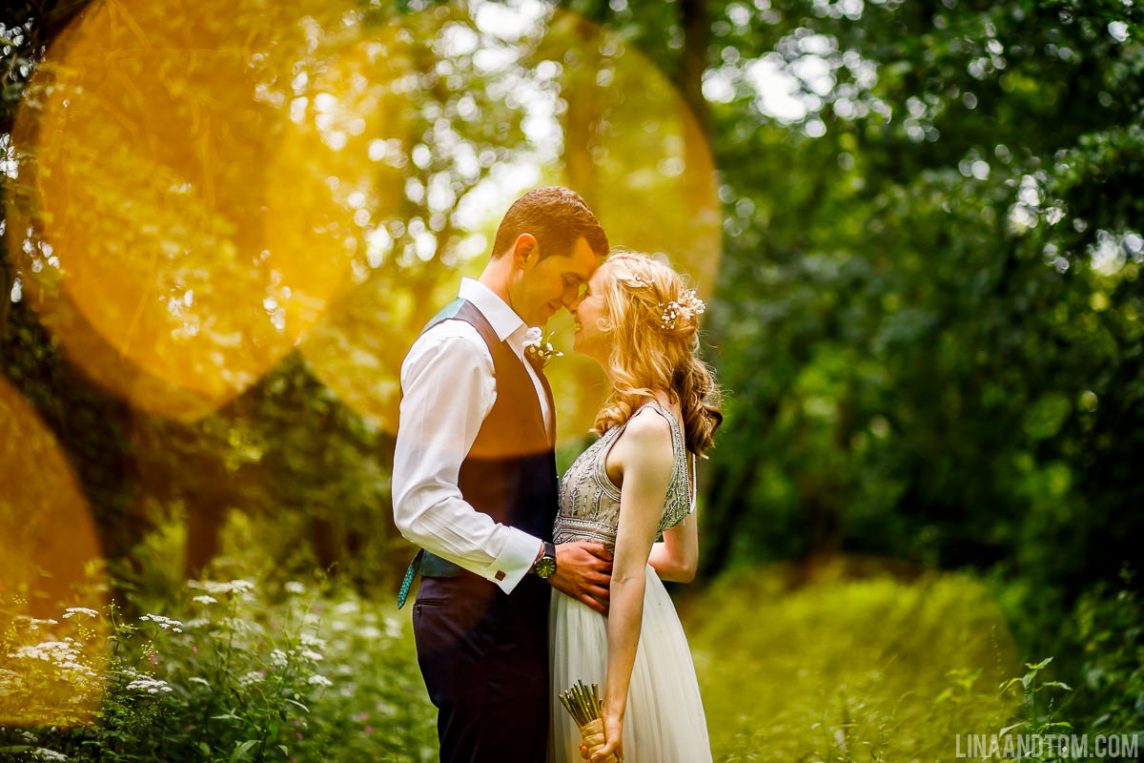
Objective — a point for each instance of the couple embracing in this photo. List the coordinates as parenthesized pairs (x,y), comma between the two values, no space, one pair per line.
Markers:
(475,486)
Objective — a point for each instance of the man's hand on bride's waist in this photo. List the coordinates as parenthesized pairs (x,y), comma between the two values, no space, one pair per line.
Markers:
(583,571)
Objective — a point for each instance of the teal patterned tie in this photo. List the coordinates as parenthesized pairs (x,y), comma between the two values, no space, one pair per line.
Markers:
(407,582)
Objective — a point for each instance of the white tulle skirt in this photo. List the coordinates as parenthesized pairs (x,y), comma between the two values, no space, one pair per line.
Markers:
(664,721)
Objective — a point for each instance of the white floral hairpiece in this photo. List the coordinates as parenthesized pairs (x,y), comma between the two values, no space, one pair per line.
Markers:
(686,307)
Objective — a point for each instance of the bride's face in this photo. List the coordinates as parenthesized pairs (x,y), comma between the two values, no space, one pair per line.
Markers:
(590,315)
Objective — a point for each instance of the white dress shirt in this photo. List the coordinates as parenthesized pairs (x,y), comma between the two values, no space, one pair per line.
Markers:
(449,387)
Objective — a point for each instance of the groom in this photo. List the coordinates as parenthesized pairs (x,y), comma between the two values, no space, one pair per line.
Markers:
(475,485)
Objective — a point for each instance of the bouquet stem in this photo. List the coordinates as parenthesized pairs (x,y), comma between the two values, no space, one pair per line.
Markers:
(583,703)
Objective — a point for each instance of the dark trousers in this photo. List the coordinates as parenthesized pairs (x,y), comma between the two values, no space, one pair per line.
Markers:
(484,657)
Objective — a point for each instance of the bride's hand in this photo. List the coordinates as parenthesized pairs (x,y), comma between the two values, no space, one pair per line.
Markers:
(613,739)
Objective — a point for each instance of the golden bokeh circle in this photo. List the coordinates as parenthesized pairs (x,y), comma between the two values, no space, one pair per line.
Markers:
(51,562)
(144,208)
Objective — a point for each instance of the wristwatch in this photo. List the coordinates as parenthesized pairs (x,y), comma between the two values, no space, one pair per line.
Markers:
(545,566)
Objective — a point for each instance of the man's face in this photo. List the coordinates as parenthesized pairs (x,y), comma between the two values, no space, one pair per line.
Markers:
(545,285)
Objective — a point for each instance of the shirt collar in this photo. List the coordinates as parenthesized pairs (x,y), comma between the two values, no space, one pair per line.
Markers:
(500,316)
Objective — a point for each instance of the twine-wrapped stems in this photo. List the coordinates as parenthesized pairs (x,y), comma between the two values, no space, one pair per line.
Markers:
(583,704)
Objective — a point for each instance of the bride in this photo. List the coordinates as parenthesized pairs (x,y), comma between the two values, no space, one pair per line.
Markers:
(633,485)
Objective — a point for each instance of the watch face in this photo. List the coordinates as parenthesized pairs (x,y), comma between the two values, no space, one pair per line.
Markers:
(545,566)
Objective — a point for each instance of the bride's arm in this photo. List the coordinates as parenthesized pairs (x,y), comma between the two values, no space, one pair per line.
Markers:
(676,557)
(644,454)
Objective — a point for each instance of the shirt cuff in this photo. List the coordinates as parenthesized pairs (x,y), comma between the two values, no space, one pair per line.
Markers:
(515,560)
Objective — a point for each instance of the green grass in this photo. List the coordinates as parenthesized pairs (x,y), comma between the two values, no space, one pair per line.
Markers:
(264,668)
(849,670)
(230,671)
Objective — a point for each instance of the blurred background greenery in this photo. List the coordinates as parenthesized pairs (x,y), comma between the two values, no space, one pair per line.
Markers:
(917,224)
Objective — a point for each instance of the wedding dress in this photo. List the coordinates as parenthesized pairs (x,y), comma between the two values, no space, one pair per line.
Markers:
(664,720)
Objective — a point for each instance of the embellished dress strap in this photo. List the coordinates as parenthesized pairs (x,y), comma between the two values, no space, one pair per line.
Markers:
(679,502)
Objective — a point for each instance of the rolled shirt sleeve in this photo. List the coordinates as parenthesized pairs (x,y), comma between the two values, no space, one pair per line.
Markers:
(449,387)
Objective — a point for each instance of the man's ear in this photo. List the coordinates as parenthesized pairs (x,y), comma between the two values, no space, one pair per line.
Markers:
(525,251)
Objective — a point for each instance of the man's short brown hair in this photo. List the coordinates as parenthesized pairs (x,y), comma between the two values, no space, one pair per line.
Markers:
(557,217)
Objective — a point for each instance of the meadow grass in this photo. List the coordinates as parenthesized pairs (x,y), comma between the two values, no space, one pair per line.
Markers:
(849,670)
(256,665)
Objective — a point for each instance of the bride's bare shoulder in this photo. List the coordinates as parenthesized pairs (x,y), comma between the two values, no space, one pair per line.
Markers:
(645,442)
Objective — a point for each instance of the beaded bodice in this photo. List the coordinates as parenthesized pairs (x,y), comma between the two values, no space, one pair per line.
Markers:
(590,502)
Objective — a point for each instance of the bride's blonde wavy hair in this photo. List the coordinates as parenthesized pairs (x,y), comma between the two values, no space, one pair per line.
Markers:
(655,344)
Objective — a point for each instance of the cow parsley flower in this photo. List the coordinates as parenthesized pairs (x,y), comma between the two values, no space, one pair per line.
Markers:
(150,685)
(166,623)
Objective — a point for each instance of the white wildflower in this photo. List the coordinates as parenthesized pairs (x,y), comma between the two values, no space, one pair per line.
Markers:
(205,598)
(310,654)
(241,586)
(217,587)
(316,642)
(43,753)
(347,607)
(295,587)
(166,623)
(71,612)
(150,685)
(253,677)
(64,655)
(278,658)
(48,651)
(316,680)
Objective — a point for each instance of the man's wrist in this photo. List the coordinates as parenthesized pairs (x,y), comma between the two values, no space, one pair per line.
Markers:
(545,564)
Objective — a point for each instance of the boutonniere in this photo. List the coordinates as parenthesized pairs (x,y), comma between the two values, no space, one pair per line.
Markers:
(538,348)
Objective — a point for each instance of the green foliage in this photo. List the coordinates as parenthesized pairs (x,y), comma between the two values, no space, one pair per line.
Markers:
(234,671)
(841,670)
(1039,702)
(1110,630)
(930,308)
(930,322)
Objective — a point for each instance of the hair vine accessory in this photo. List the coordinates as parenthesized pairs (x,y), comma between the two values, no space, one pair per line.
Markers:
(635,281)
(686,307)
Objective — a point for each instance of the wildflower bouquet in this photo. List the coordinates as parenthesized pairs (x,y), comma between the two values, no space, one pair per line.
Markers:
(583,704)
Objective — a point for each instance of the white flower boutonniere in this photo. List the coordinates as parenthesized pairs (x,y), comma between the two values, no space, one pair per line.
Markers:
(538,348)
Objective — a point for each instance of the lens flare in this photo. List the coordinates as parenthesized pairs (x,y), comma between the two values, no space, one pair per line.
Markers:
(637,152)
(50,565)
(502,99)
(149,204)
